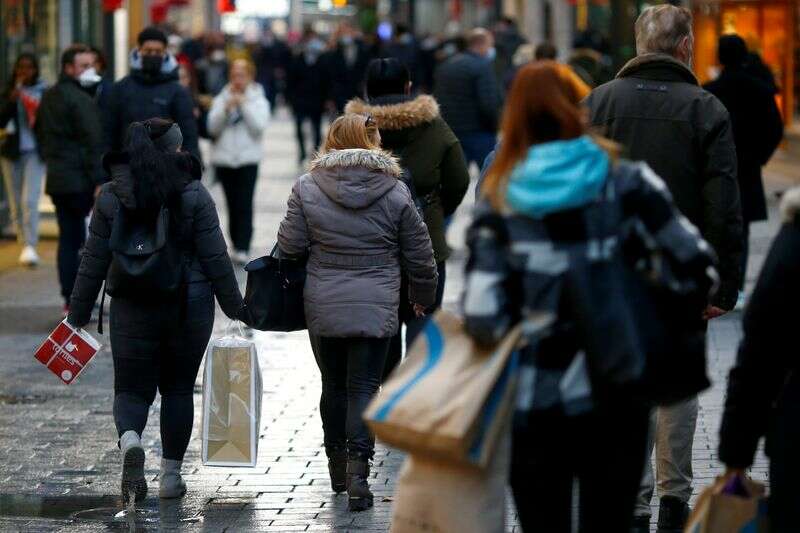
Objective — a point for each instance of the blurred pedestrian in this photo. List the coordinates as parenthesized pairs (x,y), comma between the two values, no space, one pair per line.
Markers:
(763,397)
(412,128)
(404,47)
(546,52)
(105,79)
(308,84)
(272,62)
(187,78)
(346,64)
(358,223)
(533,249)
(150,91)
(212,69)
(469,96)
(757,131)
(659,113)
(157,339)
(236,122)
(70,137)
(22,165)
(507,40)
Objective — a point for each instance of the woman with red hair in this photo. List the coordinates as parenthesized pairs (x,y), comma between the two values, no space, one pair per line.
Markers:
(560,221)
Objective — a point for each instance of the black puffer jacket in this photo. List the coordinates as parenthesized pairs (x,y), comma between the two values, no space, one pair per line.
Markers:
(200,235)
(658,112)
(468,93)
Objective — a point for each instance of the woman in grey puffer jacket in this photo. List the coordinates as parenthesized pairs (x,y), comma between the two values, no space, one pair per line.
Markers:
(358,223)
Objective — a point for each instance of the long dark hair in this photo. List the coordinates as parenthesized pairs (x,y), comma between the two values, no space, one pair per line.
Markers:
(24,56)
(159,176)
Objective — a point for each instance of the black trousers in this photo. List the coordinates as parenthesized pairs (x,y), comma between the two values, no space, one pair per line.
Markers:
(414,325)
(158,346)
(239,185)
(71,212)
(316,130)
(351,374)
(604,451)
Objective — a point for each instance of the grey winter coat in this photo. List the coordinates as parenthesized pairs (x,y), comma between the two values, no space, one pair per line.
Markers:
(358,223)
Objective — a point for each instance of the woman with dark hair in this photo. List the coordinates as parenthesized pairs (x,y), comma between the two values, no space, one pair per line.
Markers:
(157,339)
(559,214)
(412,128)
(23,168)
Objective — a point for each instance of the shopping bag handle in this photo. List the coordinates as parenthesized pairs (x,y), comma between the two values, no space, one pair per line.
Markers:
(237,324)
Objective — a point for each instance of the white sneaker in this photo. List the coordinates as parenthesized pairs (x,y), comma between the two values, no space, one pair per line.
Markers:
(29,257)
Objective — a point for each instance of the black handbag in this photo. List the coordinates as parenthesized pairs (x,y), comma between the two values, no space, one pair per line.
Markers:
(274,295)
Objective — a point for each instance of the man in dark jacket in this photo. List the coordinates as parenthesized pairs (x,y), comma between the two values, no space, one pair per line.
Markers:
(307,86)
(658,112)
(150,91)
(345,67)
(757,129)
(467,91)
(70,137)
(764,386)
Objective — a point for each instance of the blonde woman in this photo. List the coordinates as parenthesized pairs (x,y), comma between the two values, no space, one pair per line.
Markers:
(358,223)
(236,122)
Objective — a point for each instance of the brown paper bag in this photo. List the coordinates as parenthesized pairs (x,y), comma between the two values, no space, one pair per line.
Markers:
(231,403)
(717,512)
(437,497)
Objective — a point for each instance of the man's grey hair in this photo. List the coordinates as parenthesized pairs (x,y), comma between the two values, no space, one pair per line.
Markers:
(661,29)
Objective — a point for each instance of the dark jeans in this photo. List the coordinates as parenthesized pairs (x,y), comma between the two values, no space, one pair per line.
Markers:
(316,130)
(158,346)
(351,374)
(71,212)
(414,325)
(239,185)
(477,145)
(604,451)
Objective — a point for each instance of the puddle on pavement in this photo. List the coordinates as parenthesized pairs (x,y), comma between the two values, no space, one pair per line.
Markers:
(105,509)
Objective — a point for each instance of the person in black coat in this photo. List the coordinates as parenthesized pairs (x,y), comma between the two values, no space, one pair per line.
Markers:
(763,397)
(151,90)
(308,83)
(157,340)
(346,65)
(757,128)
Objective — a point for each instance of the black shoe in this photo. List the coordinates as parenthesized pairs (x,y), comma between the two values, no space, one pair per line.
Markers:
(360,497)
(640,524)
(672,514)
(337,468)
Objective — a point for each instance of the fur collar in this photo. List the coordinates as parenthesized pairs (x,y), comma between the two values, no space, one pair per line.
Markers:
(400,115)
(657,67)
(379,160)
(790,205)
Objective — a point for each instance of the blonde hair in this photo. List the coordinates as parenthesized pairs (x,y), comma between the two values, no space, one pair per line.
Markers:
(661,29)
(352,131)
(243,62)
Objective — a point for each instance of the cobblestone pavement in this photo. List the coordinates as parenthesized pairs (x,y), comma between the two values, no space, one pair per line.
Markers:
(59,467)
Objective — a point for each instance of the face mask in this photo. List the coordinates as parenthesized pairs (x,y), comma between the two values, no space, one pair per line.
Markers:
(89,77)
(152,64)
(347,40)
(491,53)
(218,55)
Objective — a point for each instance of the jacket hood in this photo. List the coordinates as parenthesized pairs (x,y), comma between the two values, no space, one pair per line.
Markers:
(661,67)
(355,178)
(123,183)
(557,176)
(169,69)
(790,205)
(397,112)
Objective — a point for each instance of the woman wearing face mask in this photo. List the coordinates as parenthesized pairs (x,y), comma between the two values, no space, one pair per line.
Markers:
(23,168)
(237,119)
(157,340)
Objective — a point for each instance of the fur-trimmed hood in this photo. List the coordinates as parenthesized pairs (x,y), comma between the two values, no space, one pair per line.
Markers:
(397,112)
(355,178)
(790,205)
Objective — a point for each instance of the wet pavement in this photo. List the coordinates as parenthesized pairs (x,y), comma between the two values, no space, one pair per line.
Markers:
(59,464)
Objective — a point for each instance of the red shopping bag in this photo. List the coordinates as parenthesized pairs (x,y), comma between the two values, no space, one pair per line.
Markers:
(67,351)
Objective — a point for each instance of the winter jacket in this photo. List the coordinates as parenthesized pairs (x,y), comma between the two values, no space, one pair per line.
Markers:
(764,386)
(550,251)
(757,130)
(198,230)
(70,136)
(238,133)
(346,80)
(412,129)
(307,85)
(141,96)
(20,113)
(359,224)
(658,112)
(468,93)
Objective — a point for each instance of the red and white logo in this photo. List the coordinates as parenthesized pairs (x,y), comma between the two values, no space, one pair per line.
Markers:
(67,351)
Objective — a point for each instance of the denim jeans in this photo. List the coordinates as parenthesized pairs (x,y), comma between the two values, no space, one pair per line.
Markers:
(23,180)
(351,374)
(71,212)
(477,145)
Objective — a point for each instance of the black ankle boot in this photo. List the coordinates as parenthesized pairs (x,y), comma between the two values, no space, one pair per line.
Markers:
(337,468)
(360,497)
